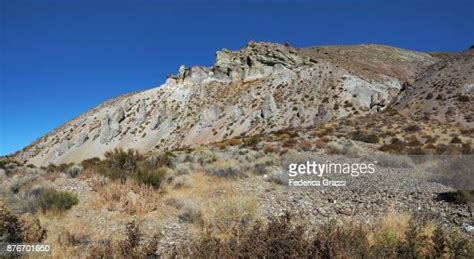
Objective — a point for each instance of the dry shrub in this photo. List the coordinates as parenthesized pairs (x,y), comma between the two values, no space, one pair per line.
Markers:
(305,145)
(396,236)
(289,143)
(395,147)
(326,130)
(269,148)
(132,245)
(31,230)
(320,144)
(66,238)
(234,142)
(15,229)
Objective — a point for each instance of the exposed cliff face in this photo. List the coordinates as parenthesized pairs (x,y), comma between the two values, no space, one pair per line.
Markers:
(260,88)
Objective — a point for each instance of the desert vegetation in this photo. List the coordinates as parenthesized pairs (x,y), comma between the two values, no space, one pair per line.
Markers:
(207,196)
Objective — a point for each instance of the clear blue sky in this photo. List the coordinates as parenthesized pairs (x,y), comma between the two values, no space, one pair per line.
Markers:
(61,58)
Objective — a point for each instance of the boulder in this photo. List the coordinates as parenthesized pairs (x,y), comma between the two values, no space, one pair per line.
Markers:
(119,114)
(109,129)
(83,137)
(63,147)
(141,114)
(321,116)
(269,107)
(209,116)
(158,119)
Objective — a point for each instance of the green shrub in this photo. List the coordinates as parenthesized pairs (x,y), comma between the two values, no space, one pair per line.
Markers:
(151,177)
(91,162)
(457,197)
(456,140)
(251,141)
(463,98)
(365,137)
(119,164)
(162,159)
(53,200)
(412,128)
(119,159)
(2,164)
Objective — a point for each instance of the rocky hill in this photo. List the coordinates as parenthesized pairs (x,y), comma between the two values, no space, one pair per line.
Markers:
(443,92)
(212,176)
(261,88)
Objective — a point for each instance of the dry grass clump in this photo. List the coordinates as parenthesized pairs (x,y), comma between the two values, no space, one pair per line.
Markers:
(182,181)
(190,210)
(230,211)
(128,197)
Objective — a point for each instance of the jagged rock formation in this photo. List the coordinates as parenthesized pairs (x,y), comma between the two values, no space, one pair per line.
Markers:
(261,88)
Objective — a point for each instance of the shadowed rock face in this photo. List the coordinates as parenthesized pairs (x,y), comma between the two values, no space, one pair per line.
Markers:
(261,88)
